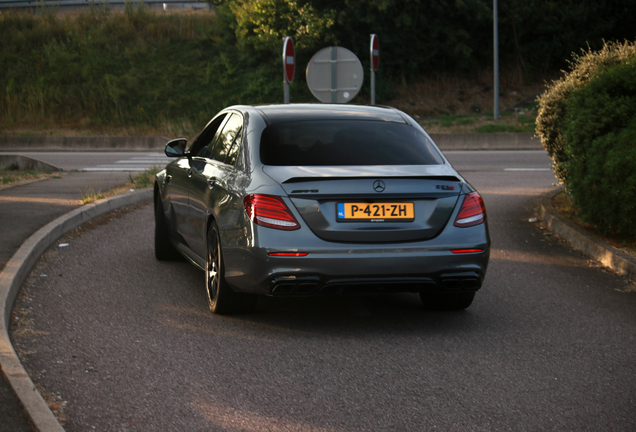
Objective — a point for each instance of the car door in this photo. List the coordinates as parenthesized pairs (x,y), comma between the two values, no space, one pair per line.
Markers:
(177,196)
(195,162)
(211,185)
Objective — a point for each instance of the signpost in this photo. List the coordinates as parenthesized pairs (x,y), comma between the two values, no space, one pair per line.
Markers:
(334,75)
(289,65)
(375,63)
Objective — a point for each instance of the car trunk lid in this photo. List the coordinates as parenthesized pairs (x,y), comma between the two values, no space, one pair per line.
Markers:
(371,204)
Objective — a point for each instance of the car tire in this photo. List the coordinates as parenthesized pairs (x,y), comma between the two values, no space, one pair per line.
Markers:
(446,301)
(222,299)
(164,249)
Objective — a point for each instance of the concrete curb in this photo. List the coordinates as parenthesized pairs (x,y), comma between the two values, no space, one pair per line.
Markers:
(27,163)
(11,279)
(487,141)
(611,257)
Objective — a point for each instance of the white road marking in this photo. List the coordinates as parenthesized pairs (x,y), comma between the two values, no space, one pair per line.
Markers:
(133,164)
(143,162)
(527,169)
(120,169)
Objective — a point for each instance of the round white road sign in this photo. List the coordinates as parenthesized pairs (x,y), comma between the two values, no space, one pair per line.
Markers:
(334,75)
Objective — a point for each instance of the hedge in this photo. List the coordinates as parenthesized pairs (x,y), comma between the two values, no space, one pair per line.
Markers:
(587,123)
(600,141)
(552,111)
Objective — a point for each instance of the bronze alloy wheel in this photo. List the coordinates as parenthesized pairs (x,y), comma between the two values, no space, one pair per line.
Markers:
(221,298)
(213,269)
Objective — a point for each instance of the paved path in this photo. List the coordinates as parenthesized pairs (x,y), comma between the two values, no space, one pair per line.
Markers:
(23,210)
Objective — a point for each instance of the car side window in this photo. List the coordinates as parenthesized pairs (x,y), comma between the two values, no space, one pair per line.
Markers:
(233,154)
(225,141)
(204,144)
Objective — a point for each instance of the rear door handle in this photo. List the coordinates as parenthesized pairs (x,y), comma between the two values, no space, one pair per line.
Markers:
(211,182)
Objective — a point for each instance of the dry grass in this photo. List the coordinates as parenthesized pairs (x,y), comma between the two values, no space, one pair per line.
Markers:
(92,196)
(13,177)
(433,96)
(521,120)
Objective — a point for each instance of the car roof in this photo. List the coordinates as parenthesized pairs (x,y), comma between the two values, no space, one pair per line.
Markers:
(299,112)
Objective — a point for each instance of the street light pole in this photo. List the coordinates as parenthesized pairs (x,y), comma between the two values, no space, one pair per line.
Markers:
(496,58)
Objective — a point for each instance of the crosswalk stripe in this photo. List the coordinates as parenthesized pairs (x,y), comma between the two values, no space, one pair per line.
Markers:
(133,164)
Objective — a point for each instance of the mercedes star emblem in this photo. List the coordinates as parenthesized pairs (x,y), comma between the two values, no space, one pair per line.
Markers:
(379,186)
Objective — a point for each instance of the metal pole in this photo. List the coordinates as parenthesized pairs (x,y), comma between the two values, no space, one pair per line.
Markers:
(334,75)
(372,85)
(496,58)
(372,72)
(285,90)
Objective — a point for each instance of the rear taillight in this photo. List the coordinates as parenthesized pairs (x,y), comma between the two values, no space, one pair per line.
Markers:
(270,211)
(472,212)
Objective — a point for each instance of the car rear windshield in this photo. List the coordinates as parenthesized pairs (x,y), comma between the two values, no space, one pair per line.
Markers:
(346,142)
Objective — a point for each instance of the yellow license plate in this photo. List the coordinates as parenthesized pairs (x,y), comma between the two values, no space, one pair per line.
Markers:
(378,211)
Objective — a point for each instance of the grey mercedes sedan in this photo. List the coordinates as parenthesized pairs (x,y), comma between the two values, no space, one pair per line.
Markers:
(303,200)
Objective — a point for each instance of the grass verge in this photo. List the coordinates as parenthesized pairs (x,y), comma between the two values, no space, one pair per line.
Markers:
(563,203)
(138,181)
(11,175)
(520,120)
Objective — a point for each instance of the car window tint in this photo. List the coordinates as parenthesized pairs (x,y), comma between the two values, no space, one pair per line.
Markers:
(204,143)
(234,150)
(346,142)
(226,137)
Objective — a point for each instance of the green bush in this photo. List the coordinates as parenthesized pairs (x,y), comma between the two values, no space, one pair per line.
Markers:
(600,146)
(136,69)
(553,110)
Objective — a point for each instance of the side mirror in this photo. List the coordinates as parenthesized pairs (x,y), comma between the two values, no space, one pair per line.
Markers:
(176,147)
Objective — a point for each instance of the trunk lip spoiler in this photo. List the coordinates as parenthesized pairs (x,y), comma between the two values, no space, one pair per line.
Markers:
(290,174)
(449,178)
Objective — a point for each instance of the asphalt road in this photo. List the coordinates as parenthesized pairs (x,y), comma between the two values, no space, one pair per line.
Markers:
(127,343)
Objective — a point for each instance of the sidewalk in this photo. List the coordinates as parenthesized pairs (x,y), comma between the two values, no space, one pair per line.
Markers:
(23,210)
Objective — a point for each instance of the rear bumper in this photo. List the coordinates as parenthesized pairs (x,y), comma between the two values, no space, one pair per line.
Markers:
(315,285)
(368,270)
